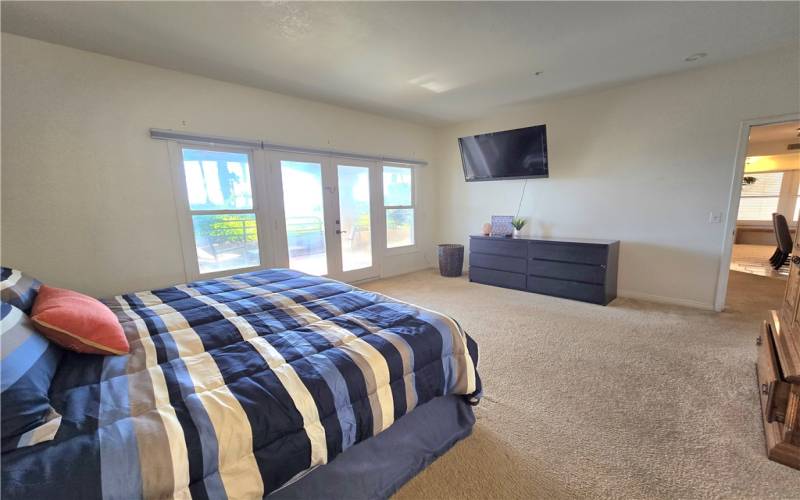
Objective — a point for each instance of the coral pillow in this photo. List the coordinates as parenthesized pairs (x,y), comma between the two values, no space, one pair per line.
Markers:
(78,322)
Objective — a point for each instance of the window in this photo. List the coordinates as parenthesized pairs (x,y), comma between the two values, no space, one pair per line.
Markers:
(221,207)
(796,208)
(398,203)
(796,201)
(760,199)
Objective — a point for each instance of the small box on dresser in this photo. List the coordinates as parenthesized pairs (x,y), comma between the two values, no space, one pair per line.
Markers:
(578,269)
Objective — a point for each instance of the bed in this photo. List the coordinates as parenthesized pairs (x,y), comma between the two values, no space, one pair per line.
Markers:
(267,383)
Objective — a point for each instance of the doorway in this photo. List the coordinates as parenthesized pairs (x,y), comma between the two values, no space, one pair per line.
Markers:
(327,215)
(755,261)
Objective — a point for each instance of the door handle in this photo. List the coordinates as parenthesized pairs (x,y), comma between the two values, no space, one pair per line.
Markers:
(339,231)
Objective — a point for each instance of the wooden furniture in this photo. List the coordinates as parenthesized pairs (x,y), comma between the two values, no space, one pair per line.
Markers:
(778,372)
(579,269)
(753,235)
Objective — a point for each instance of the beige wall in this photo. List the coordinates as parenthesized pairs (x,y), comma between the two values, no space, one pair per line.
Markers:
(87,200)
(644,163)
(769,148)
(772,163)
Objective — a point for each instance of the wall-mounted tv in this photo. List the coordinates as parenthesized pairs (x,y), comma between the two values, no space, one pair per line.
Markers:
(510,154)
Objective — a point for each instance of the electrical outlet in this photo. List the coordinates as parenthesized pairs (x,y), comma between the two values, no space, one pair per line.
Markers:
(714,217)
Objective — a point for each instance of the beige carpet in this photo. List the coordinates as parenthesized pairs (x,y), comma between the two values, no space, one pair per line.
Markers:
(634,400)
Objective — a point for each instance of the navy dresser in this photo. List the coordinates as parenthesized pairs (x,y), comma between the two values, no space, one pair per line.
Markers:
(578,269)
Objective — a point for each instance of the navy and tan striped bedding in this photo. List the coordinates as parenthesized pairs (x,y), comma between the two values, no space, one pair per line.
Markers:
(235,386)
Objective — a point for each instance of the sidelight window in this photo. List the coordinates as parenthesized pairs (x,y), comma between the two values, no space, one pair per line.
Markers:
(398,204)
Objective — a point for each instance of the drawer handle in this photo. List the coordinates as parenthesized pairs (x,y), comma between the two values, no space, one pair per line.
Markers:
(765,389)
(759,341)
(796,260)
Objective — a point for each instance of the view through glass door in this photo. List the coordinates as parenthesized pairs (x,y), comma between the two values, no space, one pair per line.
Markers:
(354,221)
(304,215)
(327,216)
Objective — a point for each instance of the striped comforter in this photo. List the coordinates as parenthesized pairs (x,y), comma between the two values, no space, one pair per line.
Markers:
(235,386)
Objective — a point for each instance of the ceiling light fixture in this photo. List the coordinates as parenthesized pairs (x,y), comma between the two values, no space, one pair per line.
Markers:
(695,57)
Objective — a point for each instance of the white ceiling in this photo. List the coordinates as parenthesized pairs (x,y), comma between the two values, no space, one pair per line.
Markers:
(432,62)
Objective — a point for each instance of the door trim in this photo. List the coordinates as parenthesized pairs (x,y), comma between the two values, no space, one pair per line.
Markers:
(733,201)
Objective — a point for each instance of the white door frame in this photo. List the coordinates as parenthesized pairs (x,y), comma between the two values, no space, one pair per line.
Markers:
(733,203)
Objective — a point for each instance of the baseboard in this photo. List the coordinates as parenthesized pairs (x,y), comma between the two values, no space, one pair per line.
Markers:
(662,299)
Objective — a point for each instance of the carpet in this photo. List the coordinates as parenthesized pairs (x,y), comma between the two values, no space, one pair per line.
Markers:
(633,400)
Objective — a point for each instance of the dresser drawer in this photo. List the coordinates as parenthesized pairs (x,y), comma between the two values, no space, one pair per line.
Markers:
(567,289)
(497,278)
(586,254)
(773,392)
(509,248)
(499,262)
(588,273)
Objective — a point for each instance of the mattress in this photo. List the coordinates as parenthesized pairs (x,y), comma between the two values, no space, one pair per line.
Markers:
(237,386)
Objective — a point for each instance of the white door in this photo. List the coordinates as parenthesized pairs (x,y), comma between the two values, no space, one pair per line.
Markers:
(326,215)
(355,217)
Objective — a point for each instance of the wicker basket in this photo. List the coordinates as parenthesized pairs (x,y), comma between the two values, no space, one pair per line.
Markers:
(451,260)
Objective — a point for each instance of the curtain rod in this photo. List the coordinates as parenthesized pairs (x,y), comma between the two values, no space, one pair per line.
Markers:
(162,134)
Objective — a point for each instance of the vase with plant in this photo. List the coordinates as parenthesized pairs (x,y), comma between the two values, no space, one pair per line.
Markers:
(518,223)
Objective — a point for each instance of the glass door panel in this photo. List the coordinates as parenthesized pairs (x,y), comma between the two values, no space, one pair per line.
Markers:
(355,222)
(305,216)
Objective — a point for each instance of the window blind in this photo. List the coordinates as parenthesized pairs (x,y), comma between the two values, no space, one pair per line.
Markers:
(760,199)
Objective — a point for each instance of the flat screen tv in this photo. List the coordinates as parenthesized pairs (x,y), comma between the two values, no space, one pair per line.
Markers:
(510,154)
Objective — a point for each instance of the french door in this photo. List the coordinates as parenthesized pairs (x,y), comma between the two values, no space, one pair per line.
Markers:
(327,215)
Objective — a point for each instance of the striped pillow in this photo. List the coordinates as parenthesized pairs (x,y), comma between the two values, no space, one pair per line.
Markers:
(18,289)
(29,362)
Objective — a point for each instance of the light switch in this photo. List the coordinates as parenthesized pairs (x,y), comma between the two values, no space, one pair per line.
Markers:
(714,217)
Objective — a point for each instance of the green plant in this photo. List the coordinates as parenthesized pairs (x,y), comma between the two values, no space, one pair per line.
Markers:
(518,223)
(226,229)
(748,180)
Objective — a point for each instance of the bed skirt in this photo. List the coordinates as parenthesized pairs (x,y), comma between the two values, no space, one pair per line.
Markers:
(379,466)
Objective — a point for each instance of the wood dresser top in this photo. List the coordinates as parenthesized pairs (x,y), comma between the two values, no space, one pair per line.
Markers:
(787,343)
